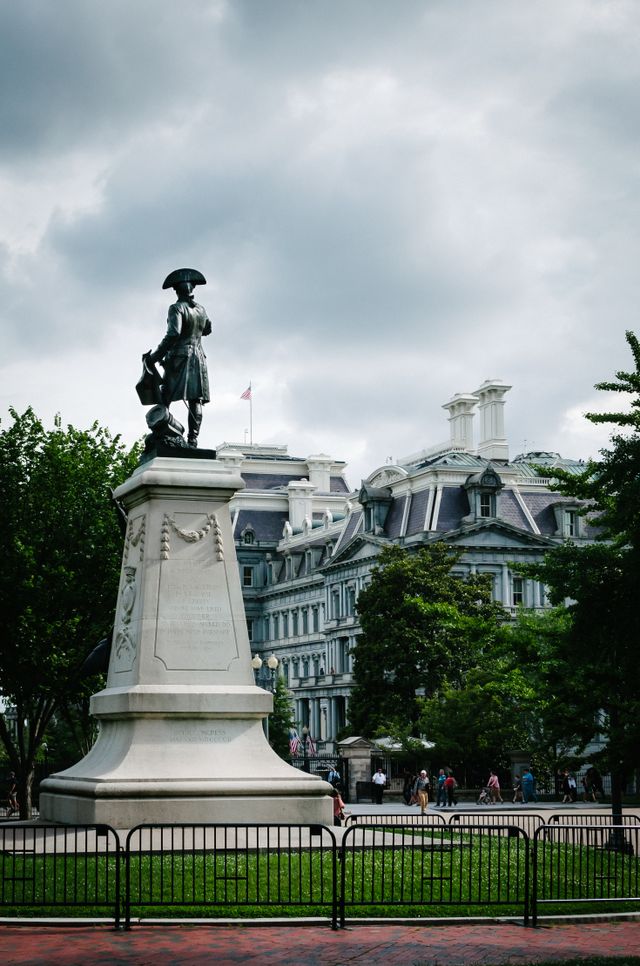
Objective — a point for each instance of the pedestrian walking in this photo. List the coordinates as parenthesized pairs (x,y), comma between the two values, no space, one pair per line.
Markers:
(441,793)
(528,786)
(450,785)
(494,787)
(338,807)
(407,787)
(421,790)
(517,789)
(378,780)
(12,795)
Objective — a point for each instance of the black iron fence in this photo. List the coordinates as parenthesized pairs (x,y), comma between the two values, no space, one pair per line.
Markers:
(431,868)
(60,869)
(524,821)
(577,865)
(428,819)
(401,865)
(587,818)
(231,867)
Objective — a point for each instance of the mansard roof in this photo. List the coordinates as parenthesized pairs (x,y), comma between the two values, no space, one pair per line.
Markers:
(417,512)
(454,505)
(511,511)
(339,485)
(269,481)
(352,525)
(280,481)
(266,524)
(393,523)
(451,457)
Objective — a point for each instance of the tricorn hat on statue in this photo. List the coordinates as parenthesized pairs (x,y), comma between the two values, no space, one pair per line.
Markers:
(184,275)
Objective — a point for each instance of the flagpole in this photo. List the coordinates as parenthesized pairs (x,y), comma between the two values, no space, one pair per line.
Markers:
(250,415)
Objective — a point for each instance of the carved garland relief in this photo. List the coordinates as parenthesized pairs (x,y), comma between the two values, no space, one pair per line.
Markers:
(123,642)
(169,525)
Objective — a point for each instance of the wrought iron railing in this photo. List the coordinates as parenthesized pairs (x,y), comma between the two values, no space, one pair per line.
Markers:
(230,868)
(584,864)
(60,868)
(430,869)
(405,865)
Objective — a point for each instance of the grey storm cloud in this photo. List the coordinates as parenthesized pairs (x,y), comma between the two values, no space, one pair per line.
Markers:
(390,202)
(83,71)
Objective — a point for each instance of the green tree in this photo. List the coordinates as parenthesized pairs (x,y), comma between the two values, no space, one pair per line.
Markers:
(281,719)
(508,701)
(422,628)
(60,547)
(475,726)
(600,583)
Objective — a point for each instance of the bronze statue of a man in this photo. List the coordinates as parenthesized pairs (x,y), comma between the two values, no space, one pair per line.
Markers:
(183,360)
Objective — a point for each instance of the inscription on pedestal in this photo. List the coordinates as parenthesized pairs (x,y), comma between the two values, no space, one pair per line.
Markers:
(198,735)
(195,626)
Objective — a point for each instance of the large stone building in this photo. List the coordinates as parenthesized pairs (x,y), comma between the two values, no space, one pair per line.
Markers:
(306,543)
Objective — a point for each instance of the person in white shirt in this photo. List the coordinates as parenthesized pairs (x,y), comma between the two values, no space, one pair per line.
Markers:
(378,780)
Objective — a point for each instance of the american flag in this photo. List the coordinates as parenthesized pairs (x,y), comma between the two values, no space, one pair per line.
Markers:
(295,744)
(311,746)
(247,393)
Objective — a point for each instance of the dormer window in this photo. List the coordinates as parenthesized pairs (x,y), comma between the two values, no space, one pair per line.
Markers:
(248,537)
(483,492)
(568,520)
(375,502)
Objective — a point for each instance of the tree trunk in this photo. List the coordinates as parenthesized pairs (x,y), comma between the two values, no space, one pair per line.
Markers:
(617,787)
(618,780)
(25,783)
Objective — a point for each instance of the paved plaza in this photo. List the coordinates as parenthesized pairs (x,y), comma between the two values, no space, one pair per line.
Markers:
(390,944)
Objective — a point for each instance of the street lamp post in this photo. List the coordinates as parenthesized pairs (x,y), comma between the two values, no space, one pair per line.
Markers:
(272,664)
(265,677)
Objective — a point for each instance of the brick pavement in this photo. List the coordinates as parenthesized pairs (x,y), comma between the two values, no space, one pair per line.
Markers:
(458,945)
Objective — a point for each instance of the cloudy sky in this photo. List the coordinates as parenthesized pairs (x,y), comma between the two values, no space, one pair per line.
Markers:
(391,203)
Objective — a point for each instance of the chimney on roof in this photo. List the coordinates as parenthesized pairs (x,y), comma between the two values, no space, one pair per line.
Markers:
(492,442)
(460,409)
(300,503)
(320,471)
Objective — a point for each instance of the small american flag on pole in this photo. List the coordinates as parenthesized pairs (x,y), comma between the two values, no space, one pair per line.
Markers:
(247,393)
(294,742)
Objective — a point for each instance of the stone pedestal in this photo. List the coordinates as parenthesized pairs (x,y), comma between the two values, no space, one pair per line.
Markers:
(181,736)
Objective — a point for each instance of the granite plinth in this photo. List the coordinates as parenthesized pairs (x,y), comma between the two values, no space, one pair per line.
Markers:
(181,736)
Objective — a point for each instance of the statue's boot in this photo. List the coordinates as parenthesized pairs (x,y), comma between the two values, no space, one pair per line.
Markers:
(195,421)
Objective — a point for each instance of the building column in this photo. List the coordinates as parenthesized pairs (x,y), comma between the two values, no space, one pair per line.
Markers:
(333,729)
(506,586)
(314,717)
